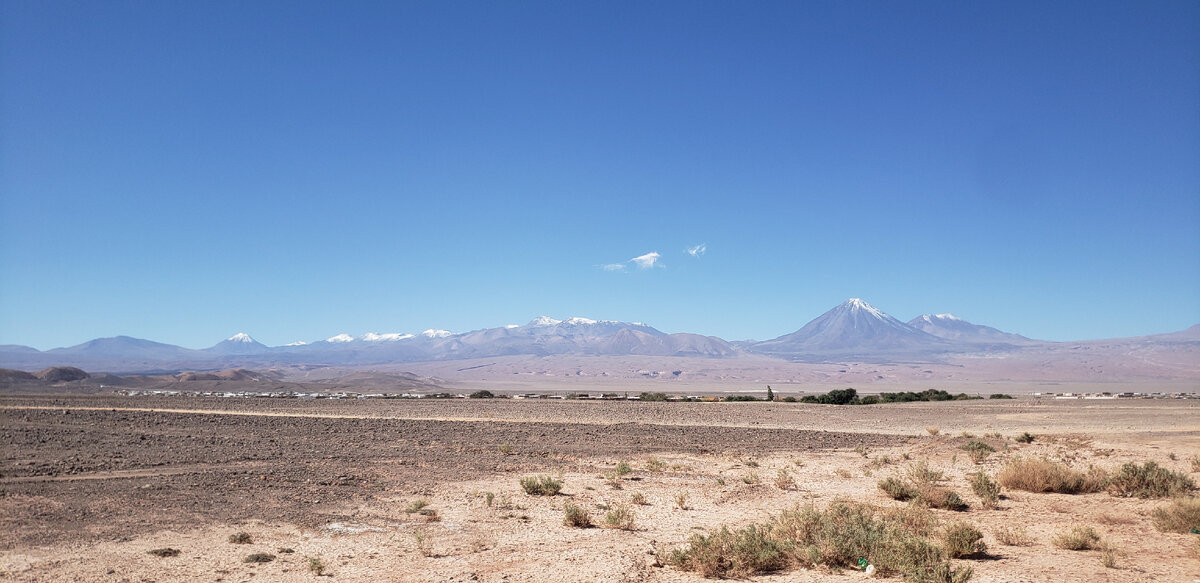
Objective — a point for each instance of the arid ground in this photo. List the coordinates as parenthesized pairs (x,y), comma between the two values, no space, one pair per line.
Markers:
(428,490)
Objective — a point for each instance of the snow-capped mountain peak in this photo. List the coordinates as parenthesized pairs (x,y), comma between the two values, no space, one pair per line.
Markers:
(544,321)
(858,304)
(340,338)
(297,343)
(575,321)
(432,333)
(388,337)
(241,337)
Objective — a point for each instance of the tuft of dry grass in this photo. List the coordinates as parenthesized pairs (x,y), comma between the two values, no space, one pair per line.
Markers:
(241,538)
(1148,480)
(1026,437)
(654,464)
(316,566)
(416,506)
(259,558)
(1079,538)
(933,430)
(576,516)
(621,517)
(1013,536)
(681,500)
(164,552)
(751,478)
(1043,475)
(638,498)
(1195,461)
(1181,515)
(784,480)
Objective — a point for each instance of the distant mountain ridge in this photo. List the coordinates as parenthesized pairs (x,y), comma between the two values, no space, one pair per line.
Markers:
(852,331)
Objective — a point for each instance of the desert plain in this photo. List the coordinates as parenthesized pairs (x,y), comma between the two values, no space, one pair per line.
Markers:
(428,490)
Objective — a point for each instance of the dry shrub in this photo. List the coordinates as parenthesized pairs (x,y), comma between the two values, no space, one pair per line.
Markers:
(316,566)
(620,517)
(1026,437)
(1195,461)
(259,558)
(164,552)
(1181,515)
(1148,480)
(576,516)
(416,506)
(541,485)
(834,538)
(933,430)
(731,554)
(638,498)
(1043,475)
(1080,538)
(1013,536)
(681,500)
(915,518)
(784,480)
(920,484)
(241,538)
(963,539)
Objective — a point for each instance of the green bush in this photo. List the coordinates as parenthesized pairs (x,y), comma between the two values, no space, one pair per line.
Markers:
(576,516)
(1149,480)
(987,489)
(962,539)
(482,395)
(898,489)
(541,485)
(653,396)
(999,396)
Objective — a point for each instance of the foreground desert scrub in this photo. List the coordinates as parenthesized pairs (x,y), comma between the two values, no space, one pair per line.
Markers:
(1043,475)
(837,538)
(1148,480)
(1013,536)
(987,490)
(1181,515)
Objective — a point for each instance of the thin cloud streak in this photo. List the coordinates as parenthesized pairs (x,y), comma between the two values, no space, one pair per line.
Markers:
(698,250)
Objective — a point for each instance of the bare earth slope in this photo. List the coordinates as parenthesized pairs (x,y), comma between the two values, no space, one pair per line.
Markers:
(88,485)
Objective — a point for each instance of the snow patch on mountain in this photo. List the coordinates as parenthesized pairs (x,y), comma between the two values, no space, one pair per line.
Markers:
(340,338)
(432,333)
(241,337)
(388,337)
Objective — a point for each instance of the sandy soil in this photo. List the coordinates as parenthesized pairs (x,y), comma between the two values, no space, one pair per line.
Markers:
(88,485)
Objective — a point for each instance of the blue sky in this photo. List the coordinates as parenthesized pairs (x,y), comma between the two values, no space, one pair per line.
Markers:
(182,171)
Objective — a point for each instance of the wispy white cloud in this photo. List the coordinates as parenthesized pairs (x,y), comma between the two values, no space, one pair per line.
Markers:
(698,250)
(613,267)
(646,261)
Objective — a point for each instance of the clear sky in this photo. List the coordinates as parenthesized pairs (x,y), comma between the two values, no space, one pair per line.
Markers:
(181,171)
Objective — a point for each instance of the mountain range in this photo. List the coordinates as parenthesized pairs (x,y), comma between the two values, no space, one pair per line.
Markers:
(852,331)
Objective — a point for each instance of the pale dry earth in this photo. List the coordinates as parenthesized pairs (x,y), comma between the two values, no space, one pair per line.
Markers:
(90,484)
